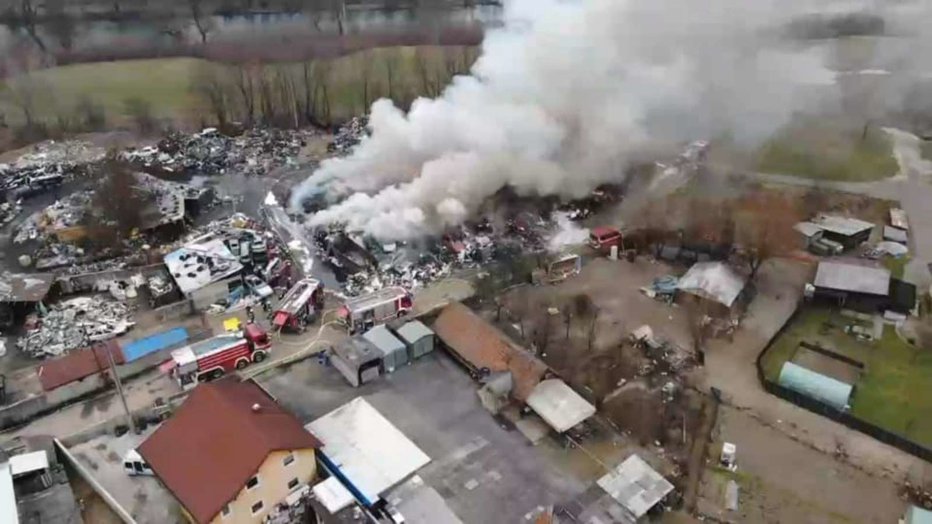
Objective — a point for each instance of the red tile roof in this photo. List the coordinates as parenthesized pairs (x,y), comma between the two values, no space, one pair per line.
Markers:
(77,365)
(216,441)
(483,345)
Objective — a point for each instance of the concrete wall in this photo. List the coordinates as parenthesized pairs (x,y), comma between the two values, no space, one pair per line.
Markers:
(273,486)
(96,486)
(174,311)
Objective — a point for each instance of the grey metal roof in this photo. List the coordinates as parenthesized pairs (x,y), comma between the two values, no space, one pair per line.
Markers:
(384,340)
(414,331)
(357,351)
(895,234)
(842,276)
(842,225)
(714,281)
(559,406)
(635,485)
(808,229)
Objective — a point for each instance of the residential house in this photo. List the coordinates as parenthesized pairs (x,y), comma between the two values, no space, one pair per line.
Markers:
(231,453)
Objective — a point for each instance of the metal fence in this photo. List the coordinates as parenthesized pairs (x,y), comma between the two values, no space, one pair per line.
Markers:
(842,417)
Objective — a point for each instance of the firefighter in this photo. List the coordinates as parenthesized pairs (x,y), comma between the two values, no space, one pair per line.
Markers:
(251,315)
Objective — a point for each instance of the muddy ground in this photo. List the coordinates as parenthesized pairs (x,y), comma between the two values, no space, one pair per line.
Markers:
(783,480)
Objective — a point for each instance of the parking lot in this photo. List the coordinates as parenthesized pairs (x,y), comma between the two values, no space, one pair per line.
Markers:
(483,469)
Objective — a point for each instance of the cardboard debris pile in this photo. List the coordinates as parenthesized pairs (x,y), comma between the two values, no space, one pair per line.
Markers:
(209,152)
(348,135)
(76,323)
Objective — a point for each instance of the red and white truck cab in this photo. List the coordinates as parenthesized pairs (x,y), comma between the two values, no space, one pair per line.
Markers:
(212,358)
(360,313)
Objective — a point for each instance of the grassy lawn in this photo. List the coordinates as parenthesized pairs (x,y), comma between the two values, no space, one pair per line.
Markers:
(829,153)
(895,391)
(897,266)
(167,83)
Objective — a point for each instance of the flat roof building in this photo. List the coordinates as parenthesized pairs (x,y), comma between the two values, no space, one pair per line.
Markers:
(849,232)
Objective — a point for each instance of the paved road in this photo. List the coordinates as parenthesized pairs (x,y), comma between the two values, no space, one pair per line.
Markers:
(912,187)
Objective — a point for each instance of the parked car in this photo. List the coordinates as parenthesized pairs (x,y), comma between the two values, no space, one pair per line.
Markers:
(257,286)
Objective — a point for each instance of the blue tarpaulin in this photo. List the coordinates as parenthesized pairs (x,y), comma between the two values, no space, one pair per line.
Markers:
(157,342)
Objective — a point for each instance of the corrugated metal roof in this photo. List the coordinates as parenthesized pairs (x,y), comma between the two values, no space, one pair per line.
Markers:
(815,385)
(77,365)
(482,345)
(384,340)
(635,485)
(559,406)
(8,510)
(368,449)
(845,226)
(714,281)
(895,234)
(414,331)
(898,218)
(842,276)
(144,346)
(201,262)
(808,229)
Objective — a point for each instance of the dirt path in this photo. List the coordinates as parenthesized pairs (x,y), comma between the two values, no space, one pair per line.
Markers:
(731,368)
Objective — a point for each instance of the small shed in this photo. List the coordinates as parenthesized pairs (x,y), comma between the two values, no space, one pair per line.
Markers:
(636,486)
(849,232)
(816,386)
(417,337)
(560,407)
(394,352)
(895,234)
(358,360)
(917,515)
(715,282)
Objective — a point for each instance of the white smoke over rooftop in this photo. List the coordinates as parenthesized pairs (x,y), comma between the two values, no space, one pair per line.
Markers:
(563,97)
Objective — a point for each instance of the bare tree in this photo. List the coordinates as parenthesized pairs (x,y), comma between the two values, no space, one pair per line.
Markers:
(422,68)
(140,110)
(118,205)
(202,22)
(210,86)
(390,61)
(365,76)
(323,91)
(591,333)
(764,226)
(29,15)
(245,80)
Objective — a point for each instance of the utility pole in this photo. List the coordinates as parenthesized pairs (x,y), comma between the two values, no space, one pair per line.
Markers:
(119,388)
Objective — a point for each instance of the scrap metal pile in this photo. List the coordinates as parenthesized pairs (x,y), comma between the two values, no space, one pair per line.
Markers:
(50,164)
(209,152)
(348,135)
(363,265)
(76,323)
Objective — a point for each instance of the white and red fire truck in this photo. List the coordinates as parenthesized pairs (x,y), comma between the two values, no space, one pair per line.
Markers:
(300,305)
(212,358)
(361,313)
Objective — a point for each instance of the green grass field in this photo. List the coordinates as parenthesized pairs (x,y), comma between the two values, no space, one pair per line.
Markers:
(166,84)
(826,152)
(895,391)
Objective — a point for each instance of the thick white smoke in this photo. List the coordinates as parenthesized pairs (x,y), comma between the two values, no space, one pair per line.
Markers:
(563,96)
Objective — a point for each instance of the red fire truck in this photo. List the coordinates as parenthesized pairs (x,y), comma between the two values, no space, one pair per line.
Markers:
(300,305)
(212,358)
(361,313)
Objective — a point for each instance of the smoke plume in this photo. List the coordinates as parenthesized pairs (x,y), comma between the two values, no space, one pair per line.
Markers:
(565,95)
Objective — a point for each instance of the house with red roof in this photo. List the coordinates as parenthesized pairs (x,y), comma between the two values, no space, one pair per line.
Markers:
(230,453)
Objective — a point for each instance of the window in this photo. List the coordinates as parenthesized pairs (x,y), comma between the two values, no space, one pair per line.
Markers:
(289,459)
(257,507)
(252,482)
(293,483)
(225,512)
